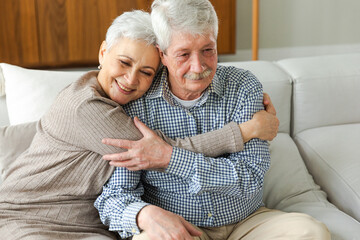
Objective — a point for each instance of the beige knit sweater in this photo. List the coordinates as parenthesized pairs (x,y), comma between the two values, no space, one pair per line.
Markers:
(49,190)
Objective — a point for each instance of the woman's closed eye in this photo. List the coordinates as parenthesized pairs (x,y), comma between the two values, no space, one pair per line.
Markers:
(128,64)
(146,73)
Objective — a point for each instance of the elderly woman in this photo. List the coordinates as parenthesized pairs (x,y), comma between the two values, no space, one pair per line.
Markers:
(50,190)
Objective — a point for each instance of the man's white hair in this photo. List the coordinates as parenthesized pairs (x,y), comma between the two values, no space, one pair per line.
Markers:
(134,25)
(196,17)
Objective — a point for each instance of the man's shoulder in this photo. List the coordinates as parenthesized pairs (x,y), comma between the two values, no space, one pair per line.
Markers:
(234,77)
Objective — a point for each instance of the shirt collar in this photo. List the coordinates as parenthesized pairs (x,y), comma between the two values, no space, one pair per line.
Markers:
(160,87)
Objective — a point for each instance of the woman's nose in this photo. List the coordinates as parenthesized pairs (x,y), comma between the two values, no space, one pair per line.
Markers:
(131,77)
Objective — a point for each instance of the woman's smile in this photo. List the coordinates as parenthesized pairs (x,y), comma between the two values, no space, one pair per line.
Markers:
(124,89)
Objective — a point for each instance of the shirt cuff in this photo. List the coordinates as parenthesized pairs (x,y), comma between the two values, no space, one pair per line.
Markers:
(181,163)
(129,218)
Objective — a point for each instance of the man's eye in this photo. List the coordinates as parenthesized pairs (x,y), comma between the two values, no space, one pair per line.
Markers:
(209,52)
(184,55)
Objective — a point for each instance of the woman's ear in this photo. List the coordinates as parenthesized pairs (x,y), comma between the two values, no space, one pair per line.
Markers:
(102,52)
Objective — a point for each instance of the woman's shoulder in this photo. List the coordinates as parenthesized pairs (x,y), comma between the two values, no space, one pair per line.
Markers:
(86,84)
(84,89)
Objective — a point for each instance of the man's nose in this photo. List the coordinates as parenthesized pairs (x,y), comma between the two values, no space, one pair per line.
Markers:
(197,63)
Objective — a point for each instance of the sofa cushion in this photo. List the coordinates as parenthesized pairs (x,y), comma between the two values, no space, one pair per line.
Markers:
(29,93)
(14,140)
(288,181)
(340,225)
(326,90)
(289,187)
(276,83)
(332,155)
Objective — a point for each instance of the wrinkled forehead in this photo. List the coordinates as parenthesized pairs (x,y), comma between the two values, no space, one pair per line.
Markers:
(186,40)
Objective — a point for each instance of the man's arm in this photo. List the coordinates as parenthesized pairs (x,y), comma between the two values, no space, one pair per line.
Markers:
(120,202)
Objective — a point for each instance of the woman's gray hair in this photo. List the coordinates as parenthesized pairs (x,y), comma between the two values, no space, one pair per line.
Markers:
(134,25)
(196,17)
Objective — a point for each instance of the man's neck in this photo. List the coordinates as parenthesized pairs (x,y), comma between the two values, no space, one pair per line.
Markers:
(187,103)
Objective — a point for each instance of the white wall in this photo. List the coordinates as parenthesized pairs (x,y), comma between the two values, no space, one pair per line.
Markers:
(296,28)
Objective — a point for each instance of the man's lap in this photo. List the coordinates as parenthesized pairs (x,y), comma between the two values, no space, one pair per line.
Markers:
(265,224)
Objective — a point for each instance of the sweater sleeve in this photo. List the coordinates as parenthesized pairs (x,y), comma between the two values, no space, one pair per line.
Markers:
(212,144)
(98,118)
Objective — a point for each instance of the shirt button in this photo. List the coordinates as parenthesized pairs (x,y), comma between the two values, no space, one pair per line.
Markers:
(189,113)
(133,230)
(209,215)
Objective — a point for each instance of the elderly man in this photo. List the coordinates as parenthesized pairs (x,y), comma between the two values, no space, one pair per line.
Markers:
(194,196)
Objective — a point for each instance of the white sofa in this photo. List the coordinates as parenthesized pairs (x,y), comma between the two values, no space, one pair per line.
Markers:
(316,99)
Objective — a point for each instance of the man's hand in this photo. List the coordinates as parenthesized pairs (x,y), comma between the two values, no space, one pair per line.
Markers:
(161,224)
(263,125)
(150,152)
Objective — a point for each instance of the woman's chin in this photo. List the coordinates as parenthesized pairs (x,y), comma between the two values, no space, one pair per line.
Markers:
(121,100)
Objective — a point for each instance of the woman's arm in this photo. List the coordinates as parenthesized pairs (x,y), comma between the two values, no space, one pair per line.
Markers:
(231,138)
(214,143)
(104,119)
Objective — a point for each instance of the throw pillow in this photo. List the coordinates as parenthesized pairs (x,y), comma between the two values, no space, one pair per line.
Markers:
(29,93)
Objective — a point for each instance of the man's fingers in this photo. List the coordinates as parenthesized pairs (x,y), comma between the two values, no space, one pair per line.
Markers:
(190,228)
(120,143)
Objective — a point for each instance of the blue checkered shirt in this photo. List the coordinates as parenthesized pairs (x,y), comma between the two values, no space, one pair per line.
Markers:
(206,191)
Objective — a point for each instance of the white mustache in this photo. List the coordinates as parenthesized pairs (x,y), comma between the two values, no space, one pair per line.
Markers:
(198,76)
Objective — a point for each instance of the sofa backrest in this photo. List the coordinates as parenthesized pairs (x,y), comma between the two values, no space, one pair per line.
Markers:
(28,93)
(4,118)
(276,83)
(325,90)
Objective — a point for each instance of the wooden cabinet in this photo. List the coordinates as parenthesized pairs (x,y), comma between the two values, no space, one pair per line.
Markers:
(226,12)
(19,43)
(59,33)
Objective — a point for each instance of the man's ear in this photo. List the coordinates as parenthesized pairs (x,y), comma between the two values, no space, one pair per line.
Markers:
(102,51)
(161,53)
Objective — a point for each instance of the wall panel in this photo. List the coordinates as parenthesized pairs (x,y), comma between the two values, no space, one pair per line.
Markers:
(61,33)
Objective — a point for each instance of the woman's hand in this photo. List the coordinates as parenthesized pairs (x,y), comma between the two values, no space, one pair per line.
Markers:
(150,152)
(264,124)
